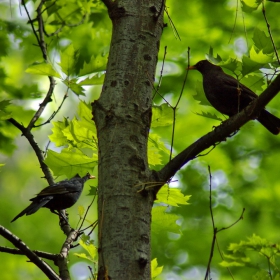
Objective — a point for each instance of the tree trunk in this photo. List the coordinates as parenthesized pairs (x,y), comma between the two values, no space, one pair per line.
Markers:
(122,116)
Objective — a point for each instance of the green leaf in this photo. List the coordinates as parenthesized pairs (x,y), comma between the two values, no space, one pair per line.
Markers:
(85,116)
(231,264)
(231,64)
(162,115)
(76,88)
(58,136)
(262,275)
(68,59)
(92,190)
(249,65)
(209,116)
(4,115)
(172,196)
(155,269)
(260,57)
(79,136)
(200,95)
(162,221)
(88,245)
(96,64)
(70,162)
(4,104)
(83,256)
(249,6)
(262,42)
(156,150)
(81,210)
(94,80)
(44,69)
(211,57)
(19,113)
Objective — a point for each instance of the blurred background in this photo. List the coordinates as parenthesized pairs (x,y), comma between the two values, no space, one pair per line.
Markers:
(244,169)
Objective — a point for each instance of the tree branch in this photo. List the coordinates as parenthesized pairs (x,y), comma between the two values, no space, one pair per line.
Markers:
(218,135)
(41,254)
(31,255)
(29,136)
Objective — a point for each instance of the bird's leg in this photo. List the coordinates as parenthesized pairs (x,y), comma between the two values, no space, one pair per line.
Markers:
(60,215)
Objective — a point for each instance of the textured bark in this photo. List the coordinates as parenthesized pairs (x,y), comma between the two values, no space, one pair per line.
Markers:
(122,116)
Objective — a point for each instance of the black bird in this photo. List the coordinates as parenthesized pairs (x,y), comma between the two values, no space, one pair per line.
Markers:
(229,96)
(59,196)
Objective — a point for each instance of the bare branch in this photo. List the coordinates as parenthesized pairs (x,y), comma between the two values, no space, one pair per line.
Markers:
(62,261)
(270,34)
(13,251)
(28,135)
(31,255)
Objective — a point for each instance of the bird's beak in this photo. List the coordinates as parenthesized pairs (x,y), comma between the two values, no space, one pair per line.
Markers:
(92,177)
(192,68)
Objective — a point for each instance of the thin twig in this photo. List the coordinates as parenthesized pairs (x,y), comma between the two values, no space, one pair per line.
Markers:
(215,230)
(29,136)
(175,107)
(55,112)
(85,215)
(41,254)
(235,19)
(213,226)
(161,74)
(269,31)
(175,32)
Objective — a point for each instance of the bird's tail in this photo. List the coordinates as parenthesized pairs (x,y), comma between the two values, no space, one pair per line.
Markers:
(269,121)
(32,208)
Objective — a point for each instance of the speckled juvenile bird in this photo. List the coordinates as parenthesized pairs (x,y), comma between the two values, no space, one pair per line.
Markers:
(229,96)
(59,196)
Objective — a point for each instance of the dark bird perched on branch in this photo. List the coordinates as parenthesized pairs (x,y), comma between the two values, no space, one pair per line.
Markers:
(229,96)
(59,196)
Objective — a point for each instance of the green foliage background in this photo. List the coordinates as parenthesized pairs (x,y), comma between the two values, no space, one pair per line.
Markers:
(245,168)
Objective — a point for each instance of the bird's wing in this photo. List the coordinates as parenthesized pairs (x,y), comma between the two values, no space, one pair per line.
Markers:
(232,82)
(64,188)
(37,203)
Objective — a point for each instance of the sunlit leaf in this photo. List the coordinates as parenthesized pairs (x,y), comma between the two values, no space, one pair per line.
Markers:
(68,59)
(44,69)
(94,80)
(162,221)
(4,115)
(81,210)
(262,42)
(89,246)
(249,6)
(249,65)
(155,269)
(58,136)
(260,57)
(172,196)
(156,149)
(70,162)
(74,86)
(162,115)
